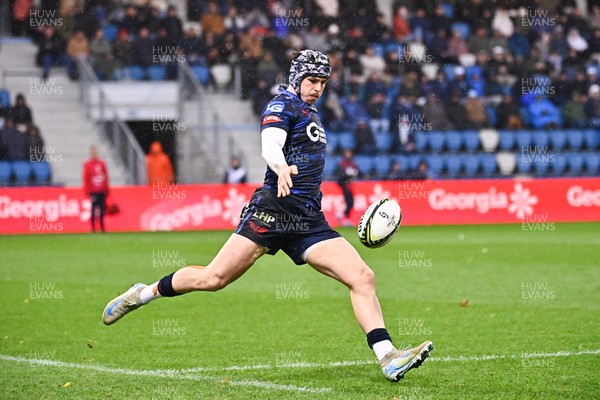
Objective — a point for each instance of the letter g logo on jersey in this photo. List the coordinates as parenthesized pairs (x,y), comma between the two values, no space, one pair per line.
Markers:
(315,132)
(276,107)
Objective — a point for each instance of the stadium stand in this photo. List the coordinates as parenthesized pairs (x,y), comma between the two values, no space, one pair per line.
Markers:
(521,81)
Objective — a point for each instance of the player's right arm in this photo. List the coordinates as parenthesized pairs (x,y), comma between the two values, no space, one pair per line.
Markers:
(272,141)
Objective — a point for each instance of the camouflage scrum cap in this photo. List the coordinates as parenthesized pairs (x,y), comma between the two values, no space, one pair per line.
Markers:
(308,63)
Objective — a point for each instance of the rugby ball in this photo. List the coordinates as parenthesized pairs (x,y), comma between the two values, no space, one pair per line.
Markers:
(379,223)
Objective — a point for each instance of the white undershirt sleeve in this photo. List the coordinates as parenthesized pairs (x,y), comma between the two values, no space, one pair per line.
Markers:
(273,140)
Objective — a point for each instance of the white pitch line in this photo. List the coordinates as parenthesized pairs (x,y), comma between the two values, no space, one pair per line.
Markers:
(362,362)
(174,374)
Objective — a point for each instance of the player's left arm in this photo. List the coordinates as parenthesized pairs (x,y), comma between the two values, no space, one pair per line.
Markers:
(272,141)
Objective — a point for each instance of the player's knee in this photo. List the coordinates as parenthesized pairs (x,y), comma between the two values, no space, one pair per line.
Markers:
(364,279)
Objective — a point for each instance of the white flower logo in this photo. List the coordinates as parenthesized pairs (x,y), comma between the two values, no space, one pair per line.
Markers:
(378,194)
(521,201)
(233,206)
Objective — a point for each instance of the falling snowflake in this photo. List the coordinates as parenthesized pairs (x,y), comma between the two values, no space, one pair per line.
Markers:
(233,206)
(378,194)
(521,201)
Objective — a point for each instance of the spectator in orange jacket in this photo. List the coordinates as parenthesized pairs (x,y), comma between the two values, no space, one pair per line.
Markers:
(159,165)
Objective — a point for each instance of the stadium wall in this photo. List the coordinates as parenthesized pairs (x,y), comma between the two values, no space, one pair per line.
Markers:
(169,207)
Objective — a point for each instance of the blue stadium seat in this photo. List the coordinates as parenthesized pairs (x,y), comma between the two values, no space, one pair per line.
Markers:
(201,73)
(22,172)
(331,164)
(364,164)
(4,98)
(523,139)
(575,139)
(435,165)
(437,141)
(558,140)
(404,163)
(506,140)
(332,142)
(346,140)
(463,28)
(421,141)
(471,140)
(470,165)
(592,138)
(414,160)
(41,173)
(156,73)
(379,49)
(134,72)
(525,163)
(384,141)
(110,32)
(575,162)
(592,163)
(5,173)
(541,139)
(542,164)
(454,141)
(488,164)
(559,165)
(453,166)
(382,166)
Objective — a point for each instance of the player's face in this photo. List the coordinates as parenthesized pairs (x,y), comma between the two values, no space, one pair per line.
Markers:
(312,88)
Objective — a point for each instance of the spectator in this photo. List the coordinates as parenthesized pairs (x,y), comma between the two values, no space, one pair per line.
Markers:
(518,44)
(422,171)
(476,110)
(365,143)
(193,47)
(347,170)
(371,62)
(96,187)
(15,142)
(459,85)
(543,114)
(457,46)
(401,26)
(142,48)
(130,22)
(576,41)
(262,95)
(434,114)
(101,55)
(395,173)
(21,113)
(36,144)
(479,42)
(51,51)
(235,173)
(457,114)
(123,51)
(502,23)
(20,16)
(592,107)
(374,85)
(212,21)
(172,25)
(159,165)
(234,22)
(78,48)
(316,39)
(508,115)
(353,110)
(375,108)
(573,111)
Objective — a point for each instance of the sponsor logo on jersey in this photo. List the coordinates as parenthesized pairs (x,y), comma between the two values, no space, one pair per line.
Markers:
(315,132)
(270,119)
(258,229)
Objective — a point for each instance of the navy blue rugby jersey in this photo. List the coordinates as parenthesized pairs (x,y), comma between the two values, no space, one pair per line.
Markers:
(304,146)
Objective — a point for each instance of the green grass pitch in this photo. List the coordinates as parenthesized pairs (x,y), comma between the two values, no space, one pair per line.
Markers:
(531,328)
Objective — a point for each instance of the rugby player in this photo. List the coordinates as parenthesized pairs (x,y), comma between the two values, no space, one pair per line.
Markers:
(293,146)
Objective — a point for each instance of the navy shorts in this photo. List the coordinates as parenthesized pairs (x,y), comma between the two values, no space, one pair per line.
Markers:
(283,223)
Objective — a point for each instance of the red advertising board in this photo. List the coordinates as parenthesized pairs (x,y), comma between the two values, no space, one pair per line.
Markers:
(199,207)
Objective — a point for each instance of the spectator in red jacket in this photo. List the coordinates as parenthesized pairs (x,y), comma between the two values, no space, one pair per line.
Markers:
(159,165)
(347,170)
(95,185)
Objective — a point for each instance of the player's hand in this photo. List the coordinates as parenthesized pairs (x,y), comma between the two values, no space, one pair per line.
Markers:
(284,182)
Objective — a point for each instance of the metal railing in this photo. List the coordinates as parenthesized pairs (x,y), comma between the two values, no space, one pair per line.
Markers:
(100,109)
(208,136)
